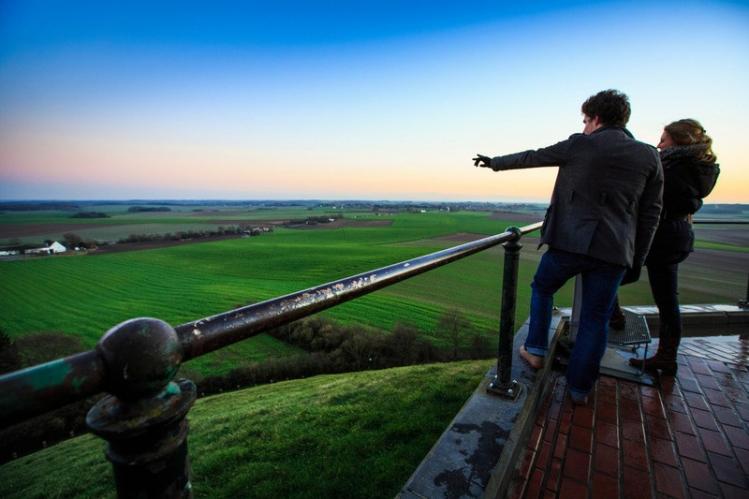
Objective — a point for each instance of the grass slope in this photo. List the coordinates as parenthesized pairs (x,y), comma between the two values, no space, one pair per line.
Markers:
(351,435)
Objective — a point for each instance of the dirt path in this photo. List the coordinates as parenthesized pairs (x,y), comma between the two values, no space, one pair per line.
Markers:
(729,261)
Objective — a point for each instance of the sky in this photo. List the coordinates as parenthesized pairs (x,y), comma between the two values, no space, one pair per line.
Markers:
(347,99)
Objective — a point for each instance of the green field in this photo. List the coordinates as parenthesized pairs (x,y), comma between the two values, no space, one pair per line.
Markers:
(85,295)
(352,435)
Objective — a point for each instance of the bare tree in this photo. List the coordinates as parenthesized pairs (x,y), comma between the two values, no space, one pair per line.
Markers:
(10,360)
(453,325)
(72,240)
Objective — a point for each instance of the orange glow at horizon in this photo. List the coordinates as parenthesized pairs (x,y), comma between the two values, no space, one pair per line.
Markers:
(112,161)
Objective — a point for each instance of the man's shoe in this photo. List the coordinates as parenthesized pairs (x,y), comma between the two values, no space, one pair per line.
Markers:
(579,400)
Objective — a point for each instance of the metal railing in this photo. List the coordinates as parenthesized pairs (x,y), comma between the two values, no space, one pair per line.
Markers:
(143,417)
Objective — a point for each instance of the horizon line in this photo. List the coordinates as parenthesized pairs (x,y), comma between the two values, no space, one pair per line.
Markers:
(259,200)
(290,199)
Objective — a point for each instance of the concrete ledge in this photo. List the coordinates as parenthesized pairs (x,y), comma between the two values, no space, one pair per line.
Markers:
(701,320)
(478,452)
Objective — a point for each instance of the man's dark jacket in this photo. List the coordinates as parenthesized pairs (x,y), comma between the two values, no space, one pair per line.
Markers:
(607,197)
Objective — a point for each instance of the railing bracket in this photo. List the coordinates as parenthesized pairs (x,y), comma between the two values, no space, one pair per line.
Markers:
(509,390)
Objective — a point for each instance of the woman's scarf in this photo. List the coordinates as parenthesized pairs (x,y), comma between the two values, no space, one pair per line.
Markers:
(676,153)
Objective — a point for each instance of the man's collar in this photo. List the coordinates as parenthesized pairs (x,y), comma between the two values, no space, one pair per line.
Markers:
(627,132)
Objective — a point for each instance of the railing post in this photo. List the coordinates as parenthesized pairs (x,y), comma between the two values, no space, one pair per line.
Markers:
(502,384)
(144,417)
(745,302)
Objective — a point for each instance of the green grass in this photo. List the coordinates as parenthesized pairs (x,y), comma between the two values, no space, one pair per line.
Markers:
(352,435)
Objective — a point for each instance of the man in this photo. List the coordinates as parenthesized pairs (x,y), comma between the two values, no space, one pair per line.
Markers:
(600,223)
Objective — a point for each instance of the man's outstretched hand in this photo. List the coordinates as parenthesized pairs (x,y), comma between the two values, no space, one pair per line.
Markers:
(482,161)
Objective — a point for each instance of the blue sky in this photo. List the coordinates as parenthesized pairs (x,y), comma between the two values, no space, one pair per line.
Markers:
(382,100)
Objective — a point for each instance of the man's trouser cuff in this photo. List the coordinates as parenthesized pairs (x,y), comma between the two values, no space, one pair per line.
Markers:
(540,352)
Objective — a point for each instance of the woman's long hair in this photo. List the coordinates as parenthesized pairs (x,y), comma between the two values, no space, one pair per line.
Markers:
(689,132)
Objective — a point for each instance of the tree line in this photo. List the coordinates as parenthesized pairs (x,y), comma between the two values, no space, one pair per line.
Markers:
(233,230)
(72,240)
(146,209)
(331,347)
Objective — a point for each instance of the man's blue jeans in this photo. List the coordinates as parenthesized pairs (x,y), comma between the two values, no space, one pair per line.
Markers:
(600,283)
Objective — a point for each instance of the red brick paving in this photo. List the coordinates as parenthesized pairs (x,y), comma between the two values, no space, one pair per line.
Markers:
(689,437)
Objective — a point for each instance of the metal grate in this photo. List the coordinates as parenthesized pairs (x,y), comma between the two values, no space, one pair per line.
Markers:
(636,331)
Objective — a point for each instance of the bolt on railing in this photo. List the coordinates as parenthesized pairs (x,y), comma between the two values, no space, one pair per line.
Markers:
(143,417)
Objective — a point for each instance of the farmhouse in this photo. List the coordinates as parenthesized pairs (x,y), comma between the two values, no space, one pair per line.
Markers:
(53,248)
(256,231)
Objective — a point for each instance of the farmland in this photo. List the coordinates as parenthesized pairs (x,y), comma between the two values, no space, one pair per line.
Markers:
(83,295)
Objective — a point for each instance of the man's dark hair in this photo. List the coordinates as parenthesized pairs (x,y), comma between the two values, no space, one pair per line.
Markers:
(611,107)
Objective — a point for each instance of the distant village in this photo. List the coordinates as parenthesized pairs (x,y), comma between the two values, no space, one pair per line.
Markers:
(73,243)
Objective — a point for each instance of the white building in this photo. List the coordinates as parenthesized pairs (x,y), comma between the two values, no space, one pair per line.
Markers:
(57,248)
(53,248)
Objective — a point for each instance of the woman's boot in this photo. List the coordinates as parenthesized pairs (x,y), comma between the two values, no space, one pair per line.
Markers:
(663,360)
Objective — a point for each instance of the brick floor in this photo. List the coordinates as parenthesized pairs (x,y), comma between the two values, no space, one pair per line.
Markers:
(689,437)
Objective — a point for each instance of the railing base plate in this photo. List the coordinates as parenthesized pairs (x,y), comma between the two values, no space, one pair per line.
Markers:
(509,390)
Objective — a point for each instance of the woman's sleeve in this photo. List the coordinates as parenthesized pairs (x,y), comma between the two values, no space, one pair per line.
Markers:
(688,185)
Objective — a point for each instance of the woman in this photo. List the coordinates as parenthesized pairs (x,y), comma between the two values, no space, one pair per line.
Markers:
(690,173)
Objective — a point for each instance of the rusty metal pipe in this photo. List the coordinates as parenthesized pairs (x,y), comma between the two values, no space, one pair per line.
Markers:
(44,387)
